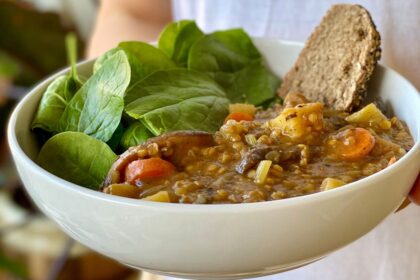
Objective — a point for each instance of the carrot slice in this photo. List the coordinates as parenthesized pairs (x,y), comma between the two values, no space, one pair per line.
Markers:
(147,169)
(239,116)
(353,143)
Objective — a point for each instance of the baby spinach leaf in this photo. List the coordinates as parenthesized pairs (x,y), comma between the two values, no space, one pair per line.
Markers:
(59,93)
(253,84)
(134,135)
(175,81)
(222,51)
(234,62)
(178,100)
(97,106)
(144,59)
(52,105)
(177,38)
(114,142)
(271,102)
(104,57)
(203,113)
(74,82)
(78,158)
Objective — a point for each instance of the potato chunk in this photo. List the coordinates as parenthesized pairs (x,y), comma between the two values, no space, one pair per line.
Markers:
(370,115)
(300,120)
(161,196)
(331,183)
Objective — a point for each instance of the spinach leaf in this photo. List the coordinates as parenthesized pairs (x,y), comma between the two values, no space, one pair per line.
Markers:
(99,62)
(223,51)
(135,134)
(114,142)
(97,106)
(73,82)
(78,158)
(253,84)
(59,93)
(271,102)
(234,62)
(53,102)
(144,59)
(177,38)
(178,99)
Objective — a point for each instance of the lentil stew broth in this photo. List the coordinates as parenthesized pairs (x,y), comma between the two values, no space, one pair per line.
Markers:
(302,155)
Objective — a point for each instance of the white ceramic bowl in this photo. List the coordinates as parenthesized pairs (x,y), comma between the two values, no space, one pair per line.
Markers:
(222,241)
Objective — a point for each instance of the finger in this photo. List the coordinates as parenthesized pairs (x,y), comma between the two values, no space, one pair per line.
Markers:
(415,192)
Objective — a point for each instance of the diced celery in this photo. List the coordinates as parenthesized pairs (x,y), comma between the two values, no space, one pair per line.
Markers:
(251,139)
(262,171)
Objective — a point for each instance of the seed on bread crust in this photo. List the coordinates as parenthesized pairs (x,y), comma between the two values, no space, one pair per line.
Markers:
(338,59)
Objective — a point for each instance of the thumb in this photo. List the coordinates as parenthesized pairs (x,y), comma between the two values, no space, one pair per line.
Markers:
(415,191)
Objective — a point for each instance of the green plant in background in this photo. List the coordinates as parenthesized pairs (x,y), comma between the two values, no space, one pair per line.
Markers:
(31,47)
(33,40)
(8,71)
(9,68)
(13,267)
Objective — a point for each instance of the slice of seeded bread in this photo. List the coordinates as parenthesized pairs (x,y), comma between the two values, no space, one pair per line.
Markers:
(338,59)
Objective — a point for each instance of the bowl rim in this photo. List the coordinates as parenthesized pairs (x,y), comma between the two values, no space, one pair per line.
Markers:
(18,152)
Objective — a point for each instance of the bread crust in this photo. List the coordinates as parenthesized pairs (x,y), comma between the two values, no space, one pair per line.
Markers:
(338,59)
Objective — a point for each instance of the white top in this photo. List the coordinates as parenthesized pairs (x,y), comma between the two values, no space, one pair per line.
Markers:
(392,250)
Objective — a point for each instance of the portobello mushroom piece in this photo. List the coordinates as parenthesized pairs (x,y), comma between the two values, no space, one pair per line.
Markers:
(172,146)
(252,158)
(274,153)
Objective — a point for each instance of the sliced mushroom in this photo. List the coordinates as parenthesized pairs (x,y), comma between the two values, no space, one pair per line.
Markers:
(274,153)
(252,158)
(174,146)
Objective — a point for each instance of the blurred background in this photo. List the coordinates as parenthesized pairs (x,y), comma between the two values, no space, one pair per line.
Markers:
(32,47)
